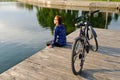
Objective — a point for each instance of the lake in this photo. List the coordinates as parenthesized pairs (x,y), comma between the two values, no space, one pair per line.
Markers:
(25,29)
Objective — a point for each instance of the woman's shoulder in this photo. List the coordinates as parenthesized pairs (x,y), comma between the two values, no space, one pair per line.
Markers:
(61,25)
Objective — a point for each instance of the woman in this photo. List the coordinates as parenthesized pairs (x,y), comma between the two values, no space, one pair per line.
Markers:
(59,33)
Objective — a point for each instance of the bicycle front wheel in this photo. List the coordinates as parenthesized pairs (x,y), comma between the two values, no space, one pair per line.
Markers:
(77,50)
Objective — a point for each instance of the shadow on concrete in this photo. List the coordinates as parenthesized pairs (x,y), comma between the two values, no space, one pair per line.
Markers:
(69,45)
(109,51)
(89,73)
(101,49)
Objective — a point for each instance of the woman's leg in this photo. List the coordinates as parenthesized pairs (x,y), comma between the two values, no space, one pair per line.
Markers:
(58,45)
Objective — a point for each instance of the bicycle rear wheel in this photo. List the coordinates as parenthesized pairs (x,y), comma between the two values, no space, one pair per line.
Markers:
(77,51)
(93,40)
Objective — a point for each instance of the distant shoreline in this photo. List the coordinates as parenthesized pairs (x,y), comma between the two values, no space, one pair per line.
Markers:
(97,4)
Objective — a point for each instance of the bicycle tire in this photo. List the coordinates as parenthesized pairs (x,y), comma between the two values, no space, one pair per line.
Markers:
(93,41)
(81,64)
(76,65)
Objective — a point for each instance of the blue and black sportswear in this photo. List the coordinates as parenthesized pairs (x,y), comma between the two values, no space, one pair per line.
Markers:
(59,35)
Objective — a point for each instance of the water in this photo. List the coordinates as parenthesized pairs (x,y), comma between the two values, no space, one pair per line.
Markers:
(20,34)
(24,29)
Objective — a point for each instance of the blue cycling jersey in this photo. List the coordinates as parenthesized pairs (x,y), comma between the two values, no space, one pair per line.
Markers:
(59,35)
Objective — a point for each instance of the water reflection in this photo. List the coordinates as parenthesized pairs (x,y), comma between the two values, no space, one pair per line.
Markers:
(7,0)
(102,20)
(45,17)
(20,34)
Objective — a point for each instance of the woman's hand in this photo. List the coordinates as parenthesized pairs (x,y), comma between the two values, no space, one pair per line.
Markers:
(50,46)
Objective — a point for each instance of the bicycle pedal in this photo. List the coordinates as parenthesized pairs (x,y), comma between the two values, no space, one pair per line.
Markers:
(80,56)
(87,48)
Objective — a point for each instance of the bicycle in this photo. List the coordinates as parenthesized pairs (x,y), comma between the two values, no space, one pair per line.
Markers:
(82,44)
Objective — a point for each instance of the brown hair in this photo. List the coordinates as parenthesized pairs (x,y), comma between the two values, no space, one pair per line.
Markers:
(59,18)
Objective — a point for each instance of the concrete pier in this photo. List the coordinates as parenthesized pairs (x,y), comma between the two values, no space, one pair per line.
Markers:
(55,63)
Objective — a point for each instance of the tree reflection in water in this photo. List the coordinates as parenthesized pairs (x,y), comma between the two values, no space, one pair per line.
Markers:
(45,17)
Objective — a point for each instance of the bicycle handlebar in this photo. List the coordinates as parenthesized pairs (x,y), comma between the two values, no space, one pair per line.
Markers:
(77,18)
(89,14)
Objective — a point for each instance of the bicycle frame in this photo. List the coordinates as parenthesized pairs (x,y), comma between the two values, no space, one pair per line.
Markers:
(87,26)
(83,43)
